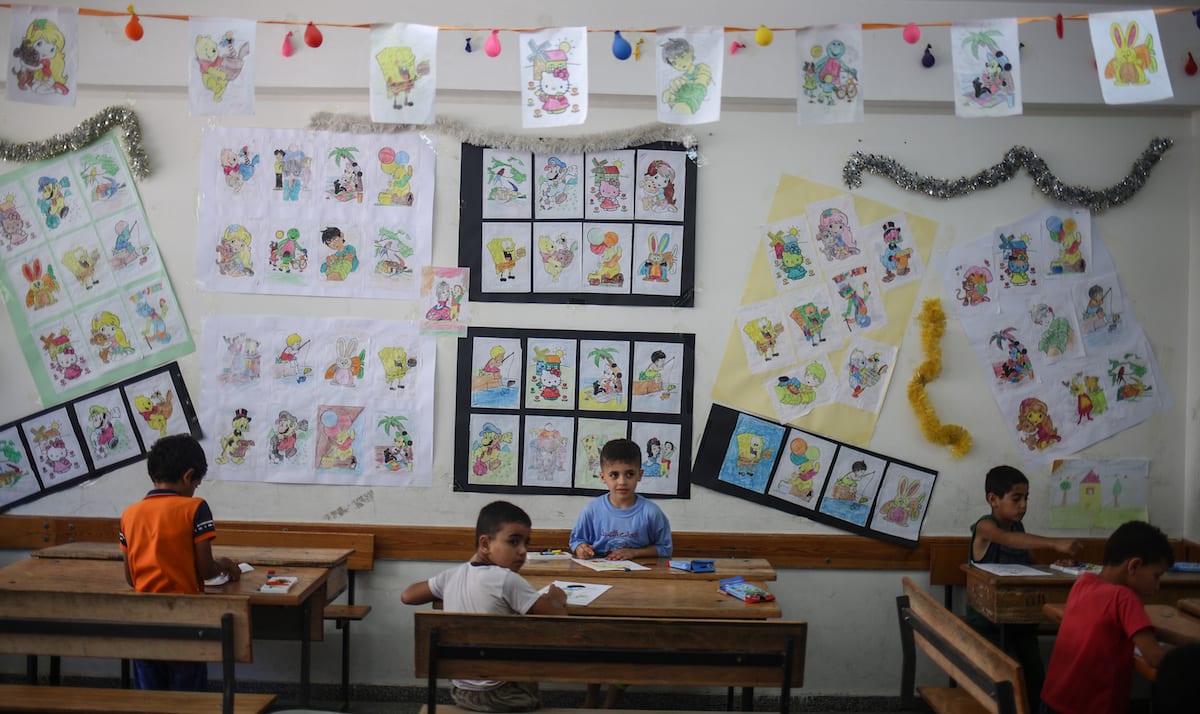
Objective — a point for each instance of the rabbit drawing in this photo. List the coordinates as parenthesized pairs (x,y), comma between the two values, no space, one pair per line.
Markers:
(1129,63)
(347,366)
(903,506)
(42,286)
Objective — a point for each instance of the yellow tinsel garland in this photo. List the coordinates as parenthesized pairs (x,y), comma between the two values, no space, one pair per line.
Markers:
(933,326)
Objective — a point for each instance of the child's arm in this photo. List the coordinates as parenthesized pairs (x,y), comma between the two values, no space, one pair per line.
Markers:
(417,594)
(1148,645)
(988,532)
(552,602)
(646,551)
(209,567)
(580,540)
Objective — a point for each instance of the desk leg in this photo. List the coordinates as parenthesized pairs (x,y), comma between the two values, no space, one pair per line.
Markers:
(31,668)
(747,699)
(56,670)
(305,650)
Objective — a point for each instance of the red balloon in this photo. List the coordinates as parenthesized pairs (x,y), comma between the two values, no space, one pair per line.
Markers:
(313,36)
(286,49)
(133,29)
(1190,67)
(387,155)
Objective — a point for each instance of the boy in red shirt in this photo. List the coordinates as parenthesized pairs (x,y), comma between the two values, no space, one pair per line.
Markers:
(167,541)
(1104,619)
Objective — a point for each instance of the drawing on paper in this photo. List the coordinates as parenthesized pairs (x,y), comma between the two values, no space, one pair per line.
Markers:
(100,173)
(338,442)
(1066,236)
(155,409)
(491,452)
(342,259)
(40,62)
(242,360)
(852,491)
(108,433)
(605,245)
(14,228)
(751,453)
(43,288)
(1089,396)
(1128,375)
(1131,61)
(391,248)
(805,460)
(287,254)
(894,256)
(349,366)
(238,167)
(1015,367)
(1036,425)
(973,288)
(548,453)
(551,78)
(235,444)
(856,312)
(1014,257)
(609,191)
(397,454)
(233,252)
(602,375)
(396,364)
(788,259)
(835,235)
(557,253)
(127,249)
(401,72)
(287,436)
(66,364)
(13,466)
(905,505)
(397,169)
(497,374)
(660,262)
(1100,493)
(346,182)
(558,187)
(828,78)
(291,361)
(994,84)
(685,92)
(220,62)
(1058,337)
(54,456)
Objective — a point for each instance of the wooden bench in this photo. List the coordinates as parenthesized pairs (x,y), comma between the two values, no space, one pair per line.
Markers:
(643,651)
(363,559)
(989,680)
(192,628)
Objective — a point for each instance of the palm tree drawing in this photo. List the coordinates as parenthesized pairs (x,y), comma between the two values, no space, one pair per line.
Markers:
(340,153)
(983,38)
(393,425)
(604,354)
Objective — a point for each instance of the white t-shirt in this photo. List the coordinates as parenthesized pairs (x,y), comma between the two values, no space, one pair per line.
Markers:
(488,589)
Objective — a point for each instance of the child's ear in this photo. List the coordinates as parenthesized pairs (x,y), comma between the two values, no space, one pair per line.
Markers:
(485,543)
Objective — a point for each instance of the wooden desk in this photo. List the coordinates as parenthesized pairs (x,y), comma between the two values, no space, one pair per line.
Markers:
(756,569)
(1190,606)
(666,599)
(1170,625)
(281,616)
(1019,599)
(332,559)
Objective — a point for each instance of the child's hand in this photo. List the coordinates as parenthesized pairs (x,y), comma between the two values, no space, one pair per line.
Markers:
(557,595)
(585,551)
(230,568)
(621,554)
(1068,547)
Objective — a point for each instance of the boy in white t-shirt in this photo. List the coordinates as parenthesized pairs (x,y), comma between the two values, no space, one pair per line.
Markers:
(489,583)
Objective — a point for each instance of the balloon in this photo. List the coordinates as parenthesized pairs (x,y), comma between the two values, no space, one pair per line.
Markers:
(912,33)
(133,28)
(799,446)
(763,36)
(492,45)
(621,48)
(313,36)
(1055,224)
(928,59)
(611,238)
(286,50)
(329,418)
(387,155)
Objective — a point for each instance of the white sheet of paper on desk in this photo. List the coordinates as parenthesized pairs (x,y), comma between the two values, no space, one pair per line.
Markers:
(579,593)
(245,567)
(603,565)
(1009,569)
(219,579)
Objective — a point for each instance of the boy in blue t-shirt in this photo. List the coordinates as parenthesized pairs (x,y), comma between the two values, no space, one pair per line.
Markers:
(999,537)
(620,525)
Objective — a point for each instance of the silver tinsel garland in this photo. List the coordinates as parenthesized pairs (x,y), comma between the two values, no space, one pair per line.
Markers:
(603,141)
(87,132)
(1015,159)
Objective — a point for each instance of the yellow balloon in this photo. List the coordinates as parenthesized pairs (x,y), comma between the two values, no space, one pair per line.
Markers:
(816,51)
(763,35)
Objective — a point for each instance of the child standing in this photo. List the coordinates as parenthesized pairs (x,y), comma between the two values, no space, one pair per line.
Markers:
(167,541)
(489,583)
(1104,619)
(620,525)
(1000,538)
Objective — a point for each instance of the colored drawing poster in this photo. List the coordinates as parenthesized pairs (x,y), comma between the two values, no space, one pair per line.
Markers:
(831,62)
(221,56)
(841,295)
(44,52)
(403,68)
(689,62)
(817,477)
(536,407)
(1130,59)
(1098,493)
(1066,359)
(554,77)
(987,68)
(86,290)
(292,212)
(318,400)
(444,301)
(17,480)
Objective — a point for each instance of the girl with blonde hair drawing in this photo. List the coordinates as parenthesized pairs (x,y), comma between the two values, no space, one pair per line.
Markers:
(108,335)
(50,74)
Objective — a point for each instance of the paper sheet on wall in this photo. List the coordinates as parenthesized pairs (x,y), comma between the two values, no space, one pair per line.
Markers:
(987,68)
(403,69)
(831,62)
(554,77)
(221,59)
(1098,493)
(81,275)
(293,399)
(1067,361)
(1129,56)
(44,52)
(689,62)
(293,212)
(809,314)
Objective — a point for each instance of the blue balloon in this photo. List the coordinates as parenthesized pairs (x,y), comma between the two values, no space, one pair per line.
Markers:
(621,48)
(329,418)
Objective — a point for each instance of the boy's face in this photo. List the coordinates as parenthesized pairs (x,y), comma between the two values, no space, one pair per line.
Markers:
(1143,577)
(506,548)
(622,478)
(1011,506)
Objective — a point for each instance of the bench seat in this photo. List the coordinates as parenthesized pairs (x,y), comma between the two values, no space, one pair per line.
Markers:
(950,700)
(451,709)
(36,698)
(342,613)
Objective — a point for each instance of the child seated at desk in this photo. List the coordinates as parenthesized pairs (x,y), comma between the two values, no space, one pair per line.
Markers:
(1104,619)
(621,525)
(489,583)
(167,541)
(999,537)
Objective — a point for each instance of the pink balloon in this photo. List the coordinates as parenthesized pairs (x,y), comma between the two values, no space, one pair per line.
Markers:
(912,33)
(492,45)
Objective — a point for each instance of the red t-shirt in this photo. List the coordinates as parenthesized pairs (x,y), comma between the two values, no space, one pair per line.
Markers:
(1092,662)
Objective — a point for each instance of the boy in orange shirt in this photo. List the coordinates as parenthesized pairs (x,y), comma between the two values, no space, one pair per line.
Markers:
(167,541)
(1104,619)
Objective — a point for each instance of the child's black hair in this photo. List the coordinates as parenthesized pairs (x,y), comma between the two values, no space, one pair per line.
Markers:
(171,456)
(1138,539)
(330,233)
(1001,479)
(621,450)
(493,516)
(656,355)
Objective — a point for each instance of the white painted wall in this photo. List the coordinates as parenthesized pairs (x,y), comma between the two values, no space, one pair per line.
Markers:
(853,645)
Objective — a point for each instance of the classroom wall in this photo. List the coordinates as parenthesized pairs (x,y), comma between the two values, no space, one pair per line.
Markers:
(852,643)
